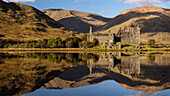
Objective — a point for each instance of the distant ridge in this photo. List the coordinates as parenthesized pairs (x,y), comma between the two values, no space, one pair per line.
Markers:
(54,9)
(77,20)
(148,8)
(151,19)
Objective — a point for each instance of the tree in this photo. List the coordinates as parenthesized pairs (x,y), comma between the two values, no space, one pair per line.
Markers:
(95,42)
(55,43)
(84,38)
(1,43)
(69,44)
(86,44)
(75,41)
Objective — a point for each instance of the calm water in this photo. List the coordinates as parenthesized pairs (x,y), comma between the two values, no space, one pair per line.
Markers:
(85,74)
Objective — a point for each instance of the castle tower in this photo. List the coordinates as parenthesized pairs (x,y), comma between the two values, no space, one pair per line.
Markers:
(110,34)
(138,34)
(134,33)
(125,29)
(90,34)
(71,34)
(119,34)
(90,31)
(131,32)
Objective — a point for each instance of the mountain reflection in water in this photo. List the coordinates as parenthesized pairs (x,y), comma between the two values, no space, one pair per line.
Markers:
(22,73)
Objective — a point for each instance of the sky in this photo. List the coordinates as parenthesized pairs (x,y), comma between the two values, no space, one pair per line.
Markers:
(106,8)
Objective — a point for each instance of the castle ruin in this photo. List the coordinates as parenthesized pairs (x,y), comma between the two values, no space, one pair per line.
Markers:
(129,35)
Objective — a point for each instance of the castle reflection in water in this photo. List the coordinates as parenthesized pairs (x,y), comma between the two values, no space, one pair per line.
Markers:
(128,65)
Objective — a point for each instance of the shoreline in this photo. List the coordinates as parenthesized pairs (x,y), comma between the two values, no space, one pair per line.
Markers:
(80,49)
(57,49)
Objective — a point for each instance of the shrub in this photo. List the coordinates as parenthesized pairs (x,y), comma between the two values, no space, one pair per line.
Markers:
(84,38)
(86,44)
(69,44)
(55,43)
(75,41)
(95,42)
(151,42)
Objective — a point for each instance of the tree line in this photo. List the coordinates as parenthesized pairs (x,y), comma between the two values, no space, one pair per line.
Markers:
(71,42)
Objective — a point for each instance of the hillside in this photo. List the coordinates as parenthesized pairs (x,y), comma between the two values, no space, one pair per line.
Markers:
(23,22)
(77,20)
(152,20)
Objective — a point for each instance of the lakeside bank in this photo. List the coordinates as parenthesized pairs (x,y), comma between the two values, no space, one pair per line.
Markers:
(81,49)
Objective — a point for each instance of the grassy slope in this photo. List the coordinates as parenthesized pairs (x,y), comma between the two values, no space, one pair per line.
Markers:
(23,22)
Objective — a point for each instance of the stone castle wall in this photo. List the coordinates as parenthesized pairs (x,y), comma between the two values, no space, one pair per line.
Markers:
(125,38)
(102,38)
(135,35)
(130,34)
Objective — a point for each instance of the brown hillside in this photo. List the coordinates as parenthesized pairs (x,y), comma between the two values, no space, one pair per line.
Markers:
(152,20)
(77,20)
(19,21)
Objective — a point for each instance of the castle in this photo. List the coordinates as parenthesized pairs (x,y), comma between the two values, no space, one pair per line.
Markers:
(129,35)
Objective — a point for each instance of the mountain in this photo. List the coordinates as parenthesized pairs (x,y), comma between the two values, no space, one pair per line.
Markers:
(23,22)
(77,20)
(152,21)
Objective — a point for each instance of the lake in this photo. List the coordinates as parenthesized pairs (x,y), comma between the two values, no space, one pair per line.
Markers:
(84,74)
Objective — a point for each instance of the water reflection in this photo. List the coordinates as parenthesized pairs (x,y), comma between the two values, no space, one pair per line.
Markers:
(22,73)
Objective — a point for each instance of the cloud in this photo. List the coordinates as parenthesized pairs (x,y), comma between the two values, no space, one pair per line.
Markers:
(5,0)
(77,1)
(19,0)
(93,7)
(142,2)
(118,0)
(107,11)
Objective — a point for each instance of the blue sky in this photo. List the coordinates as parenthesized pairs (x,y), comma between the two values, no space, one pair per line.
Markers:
(106,8)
